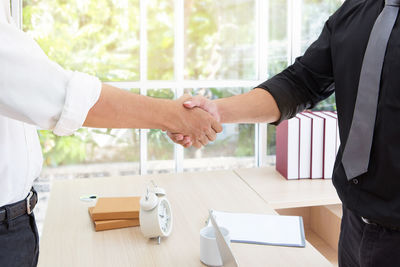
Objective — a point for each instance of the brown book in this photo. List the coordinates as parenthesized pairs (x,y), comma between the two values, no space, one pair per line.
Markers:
(115,208)
(112,224)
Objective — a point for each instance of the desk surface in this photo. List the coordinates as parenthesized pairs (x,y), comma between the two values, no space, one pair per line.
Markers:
(280,193)
(69,239)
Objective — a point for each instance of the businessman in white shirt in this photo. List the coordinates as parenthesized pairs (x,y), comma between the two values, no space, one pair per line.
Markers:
(36,92)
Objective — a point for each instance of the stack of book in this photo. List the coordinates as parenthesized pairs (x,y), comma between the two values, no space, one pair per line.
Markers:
(306,145)
(114,213)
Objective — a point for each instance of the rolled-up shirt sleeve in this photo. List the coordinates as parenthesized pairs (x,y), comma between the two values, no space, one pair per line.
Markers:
(305,83)
(38,91)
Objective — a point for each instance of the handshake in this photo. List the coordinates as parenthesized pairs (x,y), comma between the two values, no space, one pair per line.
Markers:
(197,122)
(189,121)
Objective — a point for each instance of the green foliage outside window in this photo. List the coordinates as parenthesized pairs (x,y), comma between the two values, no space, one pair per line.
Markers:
(98,37)
(101,37)
(160,147)
(240,144)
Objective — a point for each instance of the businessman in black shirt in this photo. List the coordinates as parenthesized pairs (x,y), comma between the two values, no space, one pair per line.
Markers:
(357,56)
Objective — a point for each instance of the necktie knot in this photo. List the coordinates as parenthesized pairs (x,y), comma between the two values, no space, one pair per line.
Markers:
(392,2)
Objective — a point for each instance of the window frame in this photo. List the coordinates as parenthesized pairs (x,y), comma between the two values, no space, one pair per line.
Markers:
(179,83)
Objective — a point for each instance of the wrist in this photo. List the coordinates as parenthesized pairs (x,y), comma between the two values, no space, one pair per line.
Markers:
(170,116)
(221,110)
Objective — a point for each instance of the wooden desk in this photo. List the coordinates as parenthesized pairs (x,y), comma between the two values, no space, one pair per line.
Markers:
(281,194)
(68,237)
(311,199)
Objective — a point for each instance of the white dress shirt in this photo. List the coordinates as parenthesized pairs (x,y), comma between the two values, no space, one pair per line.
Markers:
(34,92)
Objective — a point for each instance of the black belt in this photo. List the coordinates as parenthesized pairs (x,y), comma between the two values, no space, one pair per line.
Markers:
(22,207)
(384,225)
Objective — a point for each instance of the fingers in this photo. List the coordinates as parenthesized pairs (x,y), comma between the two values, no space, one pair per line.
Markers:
(185,98)
(216,126)
(187,142)
(199,126)
(203,140)
(175,137)
(211,135)
(205,104)
(188,145)
(197,101)
(197,145)
(180,139)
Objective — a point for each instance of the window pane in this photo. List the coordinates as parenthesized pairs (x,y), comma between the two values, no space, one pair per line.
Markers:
(99,37)
(314,15)
(233,148)
(278,56)
(110,152)
(220,39)
(160,34)
(278,53)
(160,147)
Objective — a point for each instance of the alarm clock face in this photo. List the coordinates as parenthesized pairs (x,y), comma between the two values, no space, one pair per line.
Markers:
(165,216)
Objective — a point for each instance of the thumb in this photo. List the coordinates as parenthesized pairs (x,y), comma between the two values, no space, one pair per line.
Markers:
(189,104)
(197,101)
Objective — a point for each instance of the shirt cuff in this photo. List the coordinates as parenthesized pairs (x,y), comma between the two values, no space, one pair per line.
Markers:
(82,93)
(281,97)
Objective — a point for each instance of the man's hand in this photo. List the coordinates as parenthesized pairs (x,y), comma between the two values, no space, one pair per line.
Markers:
(256,106)
(191,103)
(194,126)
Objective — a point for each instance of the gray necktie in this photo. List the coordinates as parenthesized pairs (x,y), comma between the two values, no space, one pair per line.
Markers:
(356,154)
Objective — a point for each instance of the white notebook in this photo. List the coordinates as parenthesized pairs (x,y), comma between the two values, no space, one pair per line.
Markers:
(317,146)
(262,228)
(330,130)
(305,146)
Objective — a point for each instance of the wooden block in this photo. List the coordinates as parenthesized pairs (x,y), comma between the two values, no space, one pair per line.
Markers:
(322,227)
(326,250)
(303,212)
(336,209)
(325,222)
(116,208)
(112,224)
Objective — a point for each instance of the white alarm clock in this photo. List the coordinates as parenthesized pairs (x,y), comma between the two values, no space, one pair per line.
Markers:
(155,214)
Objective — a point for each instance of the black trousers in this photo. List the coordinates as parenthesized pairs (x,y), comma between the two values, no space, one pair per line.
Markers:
(19,242)
(367,245)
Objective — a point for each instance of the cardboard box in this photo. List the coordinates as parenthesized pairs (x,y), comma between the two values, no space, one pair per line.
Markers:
(116,208)
(112,224)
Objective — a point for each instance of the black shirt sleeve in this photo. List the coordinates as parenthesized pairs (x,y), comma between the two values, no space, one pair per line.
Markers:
(305,83)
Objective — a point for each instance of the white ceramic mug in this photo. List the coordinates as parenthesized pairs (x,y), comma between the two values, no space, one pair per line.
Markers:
(209,254)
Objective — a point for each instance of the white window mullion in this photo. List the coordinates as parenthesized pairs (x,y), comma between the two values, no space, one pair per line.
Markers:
(143,80)
(16,12)
(262,38)
(289,30)
(179,32)
(258,73)
(260,131)
(294,28)
(188,83)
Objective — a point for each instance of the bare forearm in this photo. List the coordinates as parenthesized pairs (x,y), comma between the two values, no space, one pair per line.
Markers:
(255,106)
(118,108)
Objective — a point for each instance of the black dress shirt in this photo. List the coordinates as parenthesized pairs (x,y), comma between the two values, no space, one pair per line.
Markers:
(336,59)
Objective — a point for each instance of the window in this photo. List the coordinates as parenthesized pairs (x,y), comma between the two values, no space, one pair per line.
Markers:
(294,25)
(234,147)
(163,48)
(220,40)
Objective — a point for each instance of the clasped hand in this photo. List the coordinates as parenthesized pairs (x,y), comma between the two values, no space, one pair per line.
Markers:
(201,122)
